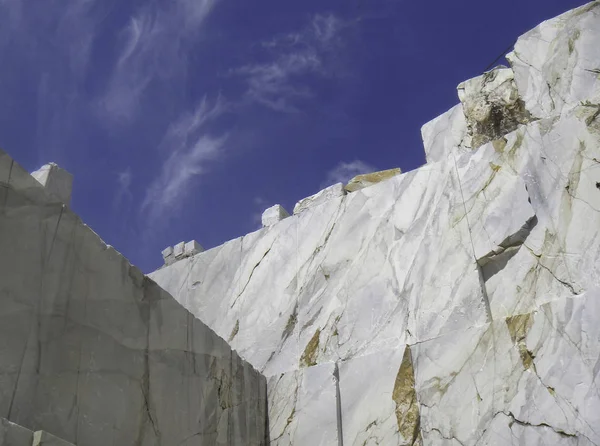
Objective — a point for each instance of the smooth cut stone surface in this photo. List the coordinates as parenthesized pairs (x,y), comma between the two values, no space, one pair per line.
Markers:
(95,353)
(445,134)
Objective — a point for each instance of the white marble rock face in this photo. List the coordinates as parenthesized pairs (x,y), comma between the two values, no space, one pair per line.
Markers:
(557,64)
(303,407)
(355,275)
(445,134)
(456,304)
(528,379)
(334,191)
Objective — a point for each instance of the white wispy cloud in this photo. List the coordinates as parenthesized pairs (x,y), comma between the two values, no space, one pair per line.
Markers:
(345,171)
(54,41)
(124,179)
(277,83)
(189,149)
(153,49)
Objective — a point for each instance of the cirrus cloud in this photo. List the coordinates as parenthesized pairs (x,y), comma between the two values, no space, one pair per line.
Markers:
(277,84)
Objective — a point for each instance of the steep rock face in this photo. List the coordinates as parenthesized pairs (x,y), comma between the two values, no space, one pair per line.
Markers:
(94,352)
(557,64)
(454,304)
(333,191)
(445,134)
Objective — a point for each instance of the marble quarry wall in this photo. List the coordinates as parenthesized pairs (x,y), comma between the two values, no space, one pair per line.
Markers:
(456,304)
(94,353)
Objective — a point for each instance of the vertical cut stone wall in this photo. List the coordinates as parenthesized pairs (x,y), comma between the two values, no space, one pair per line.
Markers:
(94,352)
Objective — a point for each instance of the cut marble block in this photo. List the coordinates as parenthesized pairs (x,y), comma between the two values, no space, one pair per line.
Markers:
(445,134)
(95,353)
(56,180)
(492,106)
(378,399)
(168,255)
(337,190)
(179,249)
(529,377)
(303,407)
(549,168)
(369,179)
(167,252)
(557,64)
(274,215)
(192,248)
(185,356)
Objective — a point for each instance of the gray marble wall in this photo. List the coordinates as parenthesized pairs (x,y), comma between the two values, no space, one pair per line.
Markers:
(94,352)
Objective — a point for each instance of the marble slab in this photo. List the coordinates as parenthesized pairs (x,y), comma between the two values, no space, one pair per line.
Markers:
(378,399)
(527,378)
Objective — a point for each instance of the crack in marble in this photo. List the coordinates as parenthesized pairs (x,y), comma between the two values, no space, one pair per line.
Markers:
(251,274)
(525,423)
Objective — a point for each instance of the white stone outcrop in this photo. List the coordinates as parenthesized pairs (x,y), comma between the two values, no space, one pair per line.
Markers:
(454,304)
(327,194)
(57,181)
(446,134)
(273,215)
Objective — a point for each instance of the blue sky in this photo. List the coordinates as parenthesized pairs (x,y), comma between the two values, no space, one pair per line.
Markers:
(185,119)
